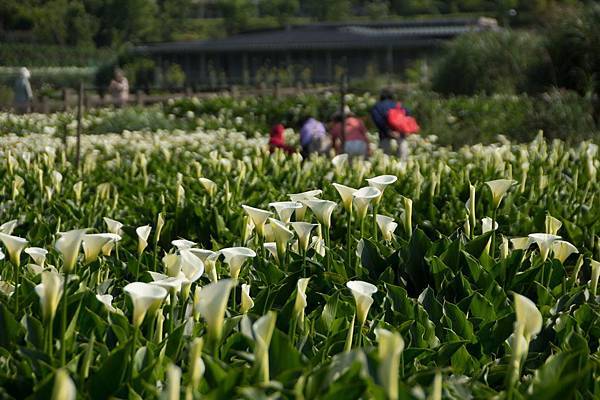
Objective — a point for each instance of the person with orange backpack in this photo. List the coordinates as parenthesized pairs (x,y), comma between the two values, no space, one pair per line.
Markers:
(394,123)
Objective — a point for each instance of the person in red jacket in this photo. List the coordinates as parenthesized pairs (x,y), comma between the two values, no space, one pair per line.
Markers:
(277,140)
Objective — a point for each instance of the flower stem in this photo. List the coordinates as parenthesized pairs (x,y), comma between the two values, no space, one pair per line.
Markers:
(172,312)
(63,323)
(349,239)
(375,210)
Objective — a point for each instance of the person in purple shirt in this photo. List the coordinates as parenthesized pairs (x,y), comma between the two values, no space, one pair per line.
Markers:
(313,136)
(379,114)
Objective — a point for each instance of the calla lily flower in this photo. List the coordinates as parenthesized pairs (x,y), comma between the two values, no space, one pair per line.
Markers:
(235,258)
(520,243)
(37,254)
(212,305)
(107,299)
(552,225)
(303,230)
(340,161)
(318,243)
(95,242)
(281,234)
(209,186)
(258,216)
(390,347)
(160,224)
(183,244)
(14,245)
(271,247)
(471,207)
(529,319)
(363,296)
(172,263)
(300,302)
(285,209)
(362,198)
(322,209)
(499,187)
(9,227)
(407,214)
(387,226)
(68,245)
(544,242)
(262,330)
(595,275)
(143,232)
(113,226)
(173,382)
(49,292)
(504,248)
(381,182)
(487,225)
(192,266)
(346,193)
(300,197)
(170,283)
(561,250)
(209,259)
(145,297)
(195,363)
(64,387)
(247,302)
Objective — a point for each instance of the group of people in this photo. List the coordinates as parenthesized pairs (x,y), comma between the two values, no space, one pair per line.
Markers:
(347,133)
(23,95)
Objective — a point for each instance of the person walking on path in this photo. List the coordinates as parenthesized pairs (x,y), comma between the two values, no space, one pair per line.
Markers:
(119,88)
(354,141)
(277,140)
(387,135)
(23,93)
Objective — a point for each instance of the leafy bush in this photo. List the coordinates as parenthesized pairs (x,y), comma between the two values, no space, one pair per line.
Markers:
(489,62)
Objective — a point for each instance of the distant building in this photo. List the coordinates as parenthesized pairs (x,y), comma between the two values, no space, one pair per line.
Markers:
(316,53)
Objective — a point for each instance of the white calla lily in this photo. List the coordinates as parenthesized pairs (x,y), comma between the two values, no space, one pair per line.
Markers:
(212,304)
(183,244)
(300,197)
(387,226)
(346,193)
(363,296)
(488,225)
(381,182)
(303,231)
(561,250)
(263,332)
(499,187)
(390,348)
(113,226)
(107,299)
(322,209)
(529,319)
(49,291)
(173,382)
(271,247)
(209,185)
(37,254)
(143,232)
(94,243)
(145,297)
(14,246)
(209,258)
(192,266)
(285,209)
(553,225)
(64,388)
(520,243)
(68,244)
(258,216)
(300,302)
(235,258)
(247,302)
(9,227)
(595,265)
(339,162)
(282,236)
(544,242)
(362,198)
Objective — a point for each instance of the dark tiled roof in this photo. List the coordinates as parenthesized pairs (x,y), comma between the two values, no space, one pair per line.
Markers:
(332,36)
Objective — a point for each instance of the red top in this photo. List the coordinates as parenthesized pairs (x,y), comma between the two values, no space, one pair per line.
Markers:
(354,130)
(277,140)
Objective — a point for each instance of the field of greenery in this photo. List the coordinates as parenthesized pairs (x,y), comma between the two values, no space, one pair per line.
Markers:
(194,264)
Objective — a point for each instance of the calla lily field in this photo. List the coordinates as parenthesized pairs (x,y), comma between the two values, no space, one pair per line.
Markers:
(196,265)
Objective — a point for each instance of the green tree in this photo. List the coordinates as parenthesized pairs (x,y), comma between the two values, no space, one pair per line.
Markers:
(236,14)
(329,10)
(282,10)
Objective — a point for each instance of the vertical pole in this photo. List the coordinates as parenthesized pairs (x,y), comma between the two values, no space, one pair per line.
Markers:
(79,114)
(343,106)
